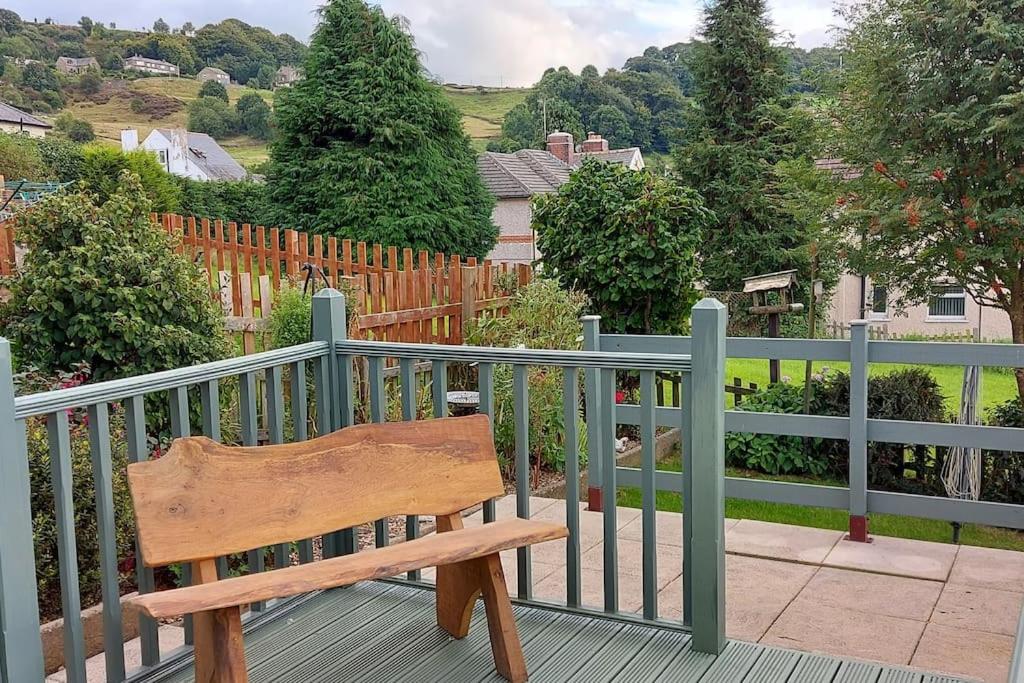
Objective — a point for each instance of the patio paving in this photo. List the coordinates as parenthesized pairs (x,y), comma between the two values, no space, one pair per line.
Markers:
(933,606)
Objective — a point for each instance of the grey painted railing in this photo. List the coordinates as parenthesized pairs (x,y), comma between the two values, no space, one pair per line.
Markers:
(331,356)
(1017,658)
(857,429)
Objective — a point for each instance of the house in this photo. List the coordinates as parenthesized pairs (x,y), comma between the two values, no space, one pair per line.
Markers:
(186,154)
(151,66)
(77,65)
(950,310)
(563,146)
(285,76)
(514,179)
(211,73)
(14,120)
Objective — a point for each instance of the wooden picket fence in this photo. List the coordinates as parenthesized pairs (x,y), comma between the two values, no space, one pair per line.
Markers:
(401,296)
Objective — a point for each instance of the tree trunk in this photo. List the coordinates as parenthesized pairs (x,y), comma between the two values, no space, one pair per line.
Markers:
(1016,312)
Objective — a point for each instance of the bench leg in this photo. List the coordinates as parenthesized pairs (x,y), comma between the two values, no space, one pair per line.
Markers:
(219,650)
(458,587)
(501,622)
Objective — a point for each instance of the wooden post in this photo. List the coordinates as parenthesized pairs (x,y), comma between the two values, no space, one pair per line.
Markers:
(859,431)
(469,274)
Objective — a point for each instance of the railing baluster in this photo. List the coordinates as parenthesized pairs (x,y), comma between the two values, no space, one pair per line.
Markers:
(249,423)
(407,379)
(103,480)
(648,406)
(609,491)
(595,444)
(439,387)
(300,431)
(521,401)
(486,387)
(181,427)
(138,451)
(209,397)
(275,433)
(378,414)
(67,554)
(571,406)
(686,463)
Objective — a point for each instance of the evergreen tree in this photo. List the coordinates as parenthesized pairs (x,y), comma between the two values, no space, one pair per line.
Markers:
(367,148)
(740,80)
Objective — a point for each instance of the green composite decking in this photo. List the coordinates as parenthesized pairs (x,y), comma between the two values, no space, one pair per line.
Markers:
(386,632)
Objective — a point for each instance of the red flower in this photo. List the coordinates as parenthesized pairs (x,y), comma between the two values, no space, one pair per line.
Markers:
(881,168)
(939,174)
(841,201)
(971,223)
(902,184)
(966,202)
(620,396)
(959,254)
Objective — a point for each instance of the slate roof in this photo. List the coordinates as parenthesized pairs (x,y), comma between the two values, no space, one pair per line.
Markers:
(205,153)
(522,174)
(614,156)
(78,61)
(10,114)
(211,71)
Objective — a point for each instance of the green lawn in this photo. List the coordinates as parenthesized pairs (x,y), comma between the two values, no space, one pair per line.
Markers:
(483,110)
(823,518)
(997,385)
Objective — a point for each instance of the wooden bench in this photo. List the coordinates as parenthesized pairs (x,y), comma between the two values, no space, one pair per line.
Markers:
(203,500)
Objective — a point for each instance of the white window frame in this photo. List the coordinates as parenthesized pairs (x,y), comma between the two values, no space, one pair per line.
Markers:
(931,318)
(872,314)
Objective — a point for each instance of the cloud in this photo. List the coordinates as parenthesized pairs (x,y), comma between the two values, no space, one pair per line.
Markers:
(488,42)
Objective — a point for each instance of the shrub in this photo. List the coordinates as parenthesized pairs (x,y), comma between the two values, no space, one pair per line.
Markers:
(101,284)
(90,82)
(243,201)
(214,89)
(212,116)
(19,158)
(101,175)
(629,240)
(254,116)
(1002,478)
(540,316)
(290,318)
(76,130)
(767,452)
(63,158)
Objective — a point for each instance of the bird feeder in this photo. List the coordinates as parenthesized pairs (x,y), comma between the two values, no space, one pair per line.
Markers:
(773,297)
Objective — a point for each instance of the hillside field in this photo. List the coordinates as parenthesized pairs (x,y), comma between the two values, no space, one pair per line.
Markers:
(483,111)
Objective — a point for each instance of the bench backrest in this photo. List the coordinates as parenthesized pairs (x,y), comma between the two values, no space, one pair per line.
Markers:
(203,500)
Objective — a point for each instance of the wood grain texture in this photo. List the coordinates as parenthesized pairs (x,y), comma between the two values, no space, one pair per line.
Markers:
(458,587)
(501,622)
(219,648)
(206,500)
(429,551)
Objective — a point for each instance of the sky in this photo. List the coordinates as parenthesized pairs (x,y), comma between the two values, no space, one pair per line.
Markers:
(478,42)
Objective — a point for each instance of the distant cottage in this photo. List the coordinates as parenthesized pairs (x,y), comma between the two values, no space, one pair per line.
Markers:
(186,154)
(214,74)
(151,66)
(595,146)
(77,65)
(14,120)
(285,76)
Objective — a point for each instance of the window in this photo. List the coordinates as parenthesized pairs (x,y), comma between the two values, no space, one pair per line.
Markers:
(161,155)
(947,302)
(879,301)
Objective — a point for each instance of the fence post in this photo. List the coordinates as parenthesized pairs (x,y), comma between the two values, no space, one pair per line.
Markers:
(706,562)
(330,325)
(469,274)
(859,431)
(21,653)
(593,398)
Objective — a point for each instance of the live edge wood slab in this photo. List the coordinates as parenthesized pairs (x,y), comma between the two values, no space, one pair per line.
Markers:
(187,510)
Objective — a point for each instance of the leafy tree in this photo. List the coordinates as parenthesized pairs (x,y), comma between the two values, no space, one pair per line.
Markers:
(934,113)
(213,116)
(10,21)
(368,148)
(40,77)
(19,158)
(266,76)
(731,157)
(86,23)
(254,116)
(102,168)
(629,240)
(90,82)
(62,158)
(613,125)
(101,284)
(160,26)
(214,89)
(166,46)
(187,28)
(76,130)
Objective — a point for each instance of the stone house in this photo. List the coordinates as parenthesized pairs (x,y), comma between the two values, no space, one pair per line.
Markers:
(77,65)
(151,66)
(211,73)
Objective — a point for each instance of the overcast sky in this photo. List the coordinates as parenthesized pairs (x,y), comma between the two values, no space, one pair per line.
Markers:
(480,42)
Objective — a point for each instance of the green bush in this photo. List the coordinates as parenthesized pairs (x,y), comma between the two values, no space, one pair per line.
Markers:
(101,284)
(1002,478)
(290,318)
(63,158)
(214,89)
(19,158)
(212,116)
(76,130)
(102,168)
(254,116)
(243,201)
(541,316)
(767,452)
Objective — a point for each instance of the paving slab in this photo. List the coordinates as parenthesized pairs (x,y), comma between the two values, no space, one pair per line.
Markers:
(171,638)
(893,596)
(668,528)
(780,541)
(757,591)
(989,568)
(979,609)
(553,589)
(669,561)
(896,556)
(839,631)
(962,652)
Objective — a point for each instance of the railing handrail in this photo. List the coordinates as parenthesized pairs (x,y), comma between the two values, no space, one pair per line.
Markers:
(47,402)
(485,354)
(1017,660)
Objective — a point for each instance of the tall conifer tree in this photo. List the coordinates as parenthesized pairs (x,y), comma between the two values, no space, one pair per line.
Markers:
(367,148)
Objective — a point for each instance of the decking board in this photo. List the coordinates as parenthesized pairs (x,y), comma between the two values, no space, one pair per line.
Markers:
(383,632)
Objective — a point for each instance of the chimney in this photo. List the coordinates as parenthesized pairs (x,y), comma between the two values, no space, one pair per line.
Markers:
(129,140)
(595,143)
(562,146)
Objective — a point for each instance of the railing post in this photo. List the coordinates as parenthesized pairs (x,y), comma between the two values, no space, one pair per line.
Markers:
(21,651)
(859,431)
(707,481)
(592,396)
(330,324)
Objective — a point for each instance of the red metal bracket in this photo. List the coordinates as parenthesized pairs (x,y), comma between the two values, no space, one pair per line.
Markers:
(858,529)
(595,499)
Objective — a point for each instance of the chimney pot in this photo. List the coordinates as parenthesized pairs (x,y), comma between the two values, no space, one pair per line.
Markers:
(562,146)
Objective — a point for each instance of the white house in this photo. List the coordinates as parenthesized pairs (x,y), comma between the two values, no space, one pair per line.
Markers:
(186,154)
(151,66)
(211,73)
(14,120)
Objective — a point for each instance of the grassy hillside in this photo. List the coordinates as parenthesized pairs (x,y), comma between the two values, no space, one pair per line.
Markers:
(484,109)
(112,111)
